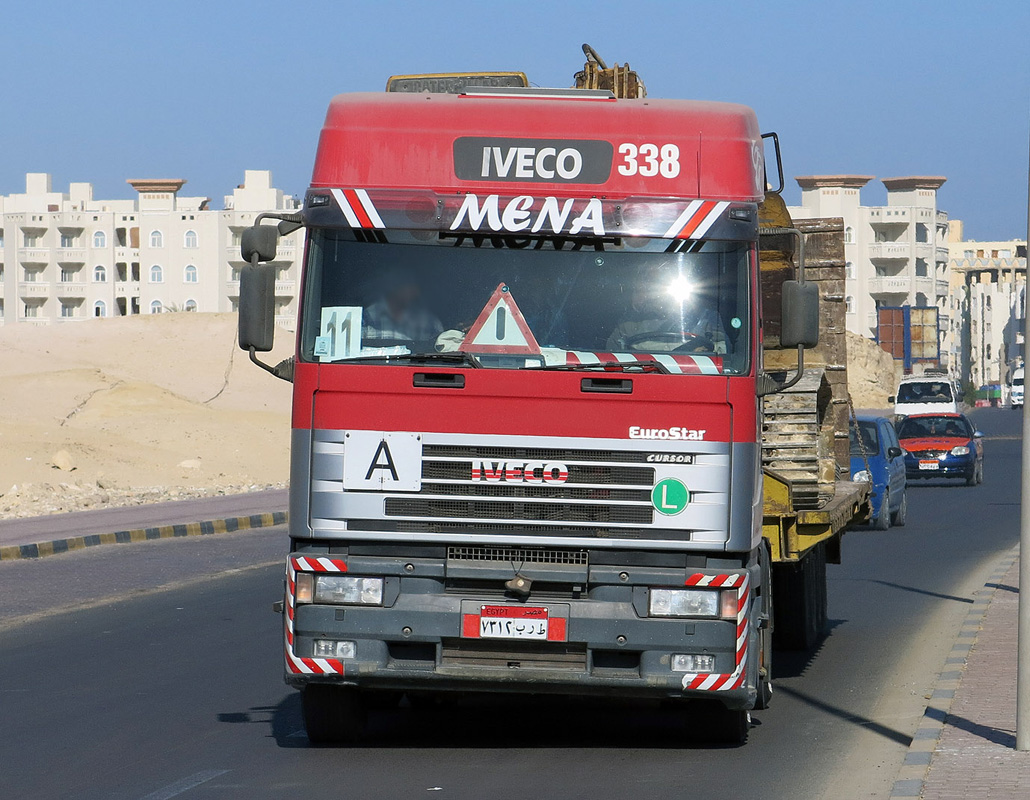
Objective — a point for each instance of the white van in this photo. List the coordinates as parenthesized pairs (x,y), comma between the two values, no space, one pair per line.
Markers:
(925,394)
(1016,388)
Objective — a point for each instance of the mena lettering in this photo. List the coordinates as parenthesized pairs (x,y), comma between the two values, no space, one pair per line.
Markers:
(525,213)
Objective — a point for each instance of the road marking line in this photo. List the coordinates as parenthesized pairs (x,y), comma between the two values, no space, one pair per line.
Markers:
(177,788)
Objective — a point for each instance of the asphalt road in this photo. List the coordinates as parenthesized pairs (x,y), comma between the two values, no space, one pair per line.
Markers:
(153,671)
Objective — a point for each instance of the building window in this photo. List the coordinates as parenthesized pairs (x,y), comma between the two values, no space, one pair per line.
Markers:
(234,274)
(191,305)
(988,351)
(99,239)
(31,310)
(156,274)
(31,239)
(849,270)
(849,303)
(68,275)
(189,274)
(30,275)
(99,274)
(156,307)
(156,239)
(189,240)
(68,240)
(849,235)
(67,310)
(100,309)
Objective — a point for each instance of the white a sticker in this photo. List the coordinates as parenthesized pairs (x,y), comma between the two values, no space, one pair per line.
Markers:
(382,462)
(339,334)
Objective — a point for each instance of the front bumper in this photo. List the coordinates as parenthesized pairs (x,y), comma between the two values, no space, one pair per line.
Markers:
(421,640)
(950,467)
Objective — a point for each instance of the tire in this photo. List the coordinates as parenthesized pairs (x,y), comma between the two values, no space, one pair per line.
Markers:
(980,474)
(710,722)
(971,478)
(799,601)
(898,517)
(883,519)
(765,687)
(333,714)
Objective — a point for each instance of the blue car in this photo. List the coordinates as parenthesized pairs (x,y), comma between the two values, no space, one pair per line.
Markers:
(883,465)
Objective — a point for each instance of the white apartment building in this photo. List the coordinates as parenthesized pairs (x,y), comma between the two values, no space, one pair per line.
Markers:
(988,306)
(66,257)
(896,254)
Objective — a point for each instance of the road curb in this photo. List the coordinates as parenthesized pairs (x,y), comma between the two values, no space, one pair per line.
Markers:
(206,528)
(911,778)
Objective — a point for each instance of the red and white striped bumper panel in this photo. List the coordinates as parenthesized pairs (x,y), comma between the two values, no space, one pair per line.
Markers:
(715,681)
(358,208)
(695,221)
(294,663)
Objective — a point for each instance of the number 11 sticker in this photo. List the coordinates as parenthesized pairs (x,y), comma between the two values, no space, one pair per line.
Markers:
(340,333)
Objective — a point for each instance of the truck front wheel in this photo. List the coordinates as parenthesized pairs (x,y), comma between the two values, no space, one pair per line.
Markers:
(333,714)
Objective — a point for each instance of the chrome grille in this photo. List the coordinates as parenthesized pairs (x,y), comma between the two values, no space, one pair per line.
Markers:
(430,451)
(500,509)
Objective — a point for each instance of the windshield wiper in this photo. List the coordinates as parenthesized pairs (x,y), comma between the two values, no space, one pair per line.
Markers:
(649,365)
(456,357)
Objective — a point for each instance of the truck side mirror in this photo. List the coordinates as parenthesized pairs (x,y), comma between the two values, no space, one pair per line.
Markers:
(800,316)
(893,452)
(257,304)
(892,399)
(261,241)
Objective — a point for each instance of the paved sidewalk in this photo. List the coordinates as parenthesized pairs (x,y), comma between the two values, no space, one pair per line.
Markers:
(59,533)
(965,745)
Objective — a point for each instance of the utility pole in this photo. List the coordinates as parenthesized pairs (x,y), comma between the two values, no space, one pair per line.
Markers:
(1023,641)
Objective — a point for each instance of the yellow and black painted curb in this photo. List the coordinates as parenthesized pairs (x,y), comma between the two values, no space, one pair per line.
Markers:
(229,525)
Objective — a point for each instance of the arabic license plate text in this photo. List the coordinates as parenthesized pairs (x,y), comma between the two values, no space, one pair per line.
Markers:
(929,465)
(513,622)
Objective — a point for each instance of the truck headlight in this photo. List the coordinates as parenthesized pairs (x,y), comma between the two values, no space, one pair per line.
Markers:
(961,450)
(347,590)
(862,476)
(692,603)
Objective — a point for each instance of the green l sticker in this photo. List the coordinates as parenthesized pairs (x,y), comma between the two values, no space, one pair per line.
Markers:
(669,496)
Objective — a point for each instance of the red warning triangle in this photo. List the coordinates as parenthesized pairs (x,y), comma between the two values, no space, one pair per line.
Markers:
(500,328)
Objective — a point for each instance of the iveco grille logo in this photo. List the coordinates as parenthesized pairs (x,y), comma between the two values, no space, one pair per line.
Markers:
(520,471)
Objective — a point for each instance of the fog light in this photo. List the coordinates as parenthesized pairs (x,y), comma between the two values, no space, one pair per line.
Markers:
(682,662)
(331,648)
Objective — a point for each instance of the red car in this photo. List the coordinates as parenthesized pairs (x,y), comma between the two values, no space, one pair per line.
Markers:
(942,446)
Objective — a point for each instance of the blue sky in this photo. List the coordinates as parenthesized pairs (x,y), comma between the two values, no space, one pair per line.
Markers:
(105,91)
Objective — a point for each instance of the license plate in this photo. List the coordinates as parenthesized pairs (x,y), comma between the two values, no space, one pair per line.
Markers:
(929,465)
(513,622)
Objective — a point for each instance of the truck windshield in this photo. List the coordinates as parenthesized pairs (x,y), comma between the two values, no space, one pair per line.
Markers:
(514,303)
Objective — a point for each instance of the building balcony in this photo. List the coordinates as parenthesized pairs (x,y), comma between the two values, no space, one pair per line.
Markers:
(34,255)
(126,254)
(285,287)
(287,321)
(71,289)
(71,255)
(942,288)
(941,255)
(894,251)
(39,322)
(34,289)
(894,284)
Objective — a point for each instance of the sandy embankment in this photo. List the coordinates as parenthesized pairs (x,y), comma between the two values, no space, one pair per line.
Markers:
(148,408)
